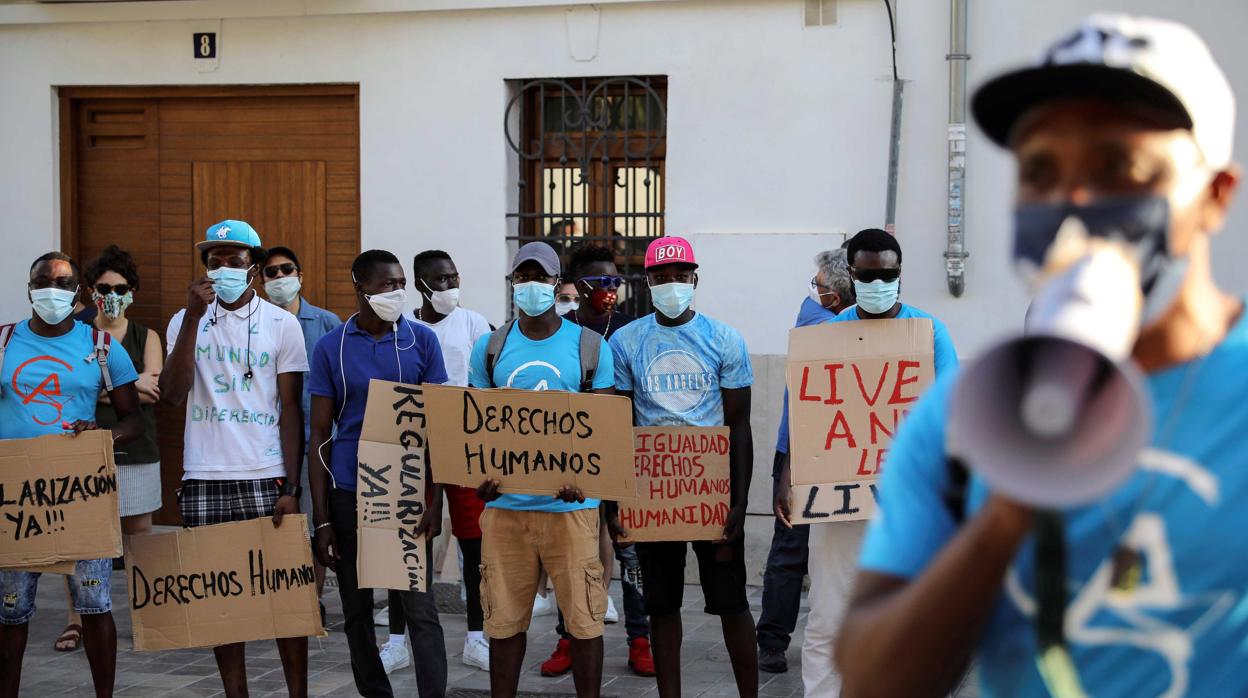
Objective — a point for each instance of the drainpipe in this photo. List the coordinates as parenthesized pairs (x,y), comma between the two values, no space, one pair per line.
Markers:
(894,140)
(955,242)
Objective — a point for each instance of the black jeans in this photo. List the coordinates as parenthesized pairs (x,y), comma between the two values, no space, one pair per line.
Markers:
(471,548)
(782,585)
(418,608)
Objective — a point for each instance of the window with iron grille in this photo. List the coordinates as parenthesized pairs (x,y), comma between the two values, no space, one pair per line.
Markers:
(591,155)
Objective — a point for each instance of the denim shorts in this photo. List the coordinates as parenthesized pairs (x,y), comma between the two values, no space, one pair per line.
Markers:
(90,586)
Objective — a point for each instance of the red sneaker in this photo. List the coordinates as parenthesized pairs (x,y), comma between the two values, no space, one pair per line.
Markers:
(561,661)
(639,659)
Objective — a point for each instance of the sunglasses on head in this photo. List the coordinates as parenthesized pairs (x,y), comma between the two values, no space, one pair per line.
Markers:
(605,282)
(285,269)
(119,289)
(868,275)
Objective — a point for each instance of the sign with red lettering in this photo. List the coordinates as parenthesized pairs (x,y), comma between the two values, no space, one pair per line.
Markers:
(850,385)
(683,485)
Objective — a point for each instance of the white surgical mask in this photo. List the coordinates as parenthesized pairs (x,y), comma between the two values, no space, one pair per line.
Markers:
(877,297)
(283,291)
(52,305)
(443,301)
(388,306)
(671,299)
(564,307)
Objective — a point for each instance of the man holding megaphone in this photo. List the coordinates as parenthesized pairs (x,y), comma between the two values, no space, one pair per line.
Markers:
(1096,547)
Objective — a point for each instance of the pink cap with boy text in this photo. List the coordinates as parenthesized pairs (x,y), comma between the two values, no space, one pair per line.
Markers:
(669,250)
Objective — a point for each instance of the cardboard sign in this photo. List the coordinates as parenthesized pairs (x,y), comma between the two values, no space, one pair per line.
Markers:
(832,502)
(533,442)
(683,484)
(58,500)
(850,385)
(215,585)
(390,489)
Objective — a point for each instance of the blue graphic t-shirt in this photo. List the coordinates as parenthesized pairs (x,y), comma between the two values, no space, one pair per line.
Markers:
(553,363)
(414,356)
(46,381)
(1182,630)
(944,356)
(676,373)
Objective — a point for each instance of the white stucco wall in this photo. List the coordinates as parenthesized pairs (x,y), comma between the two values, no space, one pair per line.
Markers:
(773,129)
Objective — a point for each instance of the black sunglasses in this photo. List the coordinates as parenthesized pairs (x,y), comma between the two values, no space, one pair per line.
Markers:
(119,289)
(609,283)
(285,269)
(868,275)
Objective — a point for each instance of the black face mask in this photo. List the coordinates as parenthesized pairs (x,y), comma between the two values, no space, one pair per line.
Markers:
(1142,222)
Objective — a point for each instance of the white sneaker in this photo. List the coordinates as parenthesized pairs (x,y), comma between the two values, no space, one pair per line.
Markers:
(382,619)
(395,656)
(613,616)
(544,605)
(477,653)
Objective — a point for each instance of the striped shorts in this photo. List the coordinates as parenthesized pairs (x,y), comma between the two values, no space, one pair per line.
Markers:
(207,502)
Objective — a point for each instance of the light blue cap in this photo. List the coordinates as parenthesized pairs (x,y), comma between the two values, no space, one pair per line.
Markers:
(229,232)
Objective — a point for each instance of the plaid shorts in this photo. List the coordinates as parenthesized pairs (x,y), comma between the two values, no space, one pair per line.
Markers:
(207,502)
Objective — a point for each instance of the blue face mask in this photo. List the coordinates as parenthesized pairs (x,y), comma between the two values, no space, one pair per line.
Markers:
(671,299)
(229,284)
(877,297)
(533,297)
(52,305)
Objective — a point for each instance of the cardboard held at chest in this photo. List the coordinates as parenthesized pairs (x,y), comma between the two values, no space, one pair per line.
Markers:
(58,500)
(216,585)
(683,484)
(850,384)
(533,442)
(390,489)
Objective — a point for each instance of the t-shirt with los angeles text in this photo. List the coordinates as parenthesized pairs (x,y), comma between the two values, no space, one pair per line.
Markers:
(553,363)
(676,373)
(47,382)
(1180,629)
(231,422)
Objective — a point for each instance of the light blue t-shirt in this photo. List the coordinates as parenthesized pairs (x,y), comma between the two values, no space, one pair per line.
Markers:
(676,373)
(553,363)
(944,356)
(47,381)
(1184,630)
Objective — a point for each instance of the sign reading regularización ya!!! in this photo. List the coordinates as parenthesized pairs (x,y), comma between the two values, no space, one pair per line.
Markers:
(58,500)
(850,384)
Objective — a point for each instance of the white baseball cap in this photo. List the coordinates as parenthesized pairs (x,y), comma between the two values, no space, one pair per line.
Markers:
(1156,63)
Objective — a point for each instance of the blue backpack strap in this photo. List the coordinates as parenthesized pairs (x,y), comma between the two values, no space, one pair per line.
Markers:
(591,345)
(494,347)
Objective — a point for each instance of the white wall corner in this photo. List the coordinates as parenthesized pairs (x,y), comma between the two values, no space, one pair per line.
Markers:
(583,27)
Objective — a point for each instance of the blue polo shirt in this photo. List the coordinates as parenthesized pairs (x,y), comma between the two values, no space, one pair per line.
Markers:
(352,356)
(315,322)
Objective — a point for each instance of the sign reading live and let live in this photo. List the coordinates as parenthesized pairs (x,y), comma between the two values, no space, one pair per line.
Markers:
(390,489)
(683,484)
(532,442)
(216,585)
(58,500)
(850,385)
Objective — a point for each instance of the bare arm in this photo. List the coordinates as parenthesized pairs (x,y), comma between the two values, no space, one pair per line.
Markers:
(153,361)
(740,457)
(179,373)
(125,399)
(318,479)
(915,638)
(290,429)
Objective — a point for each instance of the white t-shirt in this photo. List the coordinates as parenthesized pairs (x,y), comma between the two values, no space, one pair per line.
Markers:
(457,333)
(232,423)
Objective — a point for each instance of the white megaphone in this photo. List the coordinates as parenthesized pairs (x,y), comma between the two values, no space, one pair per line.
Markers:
(1057,418)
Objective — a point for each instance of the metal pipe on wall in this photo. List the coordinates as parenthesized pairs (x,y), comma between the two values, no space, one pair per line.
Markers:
(955,242)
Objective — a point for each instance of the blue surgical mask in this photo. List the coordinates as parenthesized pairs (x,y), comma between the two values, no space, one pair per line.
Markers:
(533,297)
(229,284)
(671,299)
(52,305)
(877,297)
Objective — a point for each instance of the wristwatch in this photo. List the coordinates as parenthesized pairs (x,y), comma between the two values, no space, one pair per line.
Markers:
(291,490)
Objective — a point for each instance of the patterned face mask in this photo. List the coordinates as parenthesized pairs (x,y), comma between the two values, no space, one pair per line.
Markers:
(113,305)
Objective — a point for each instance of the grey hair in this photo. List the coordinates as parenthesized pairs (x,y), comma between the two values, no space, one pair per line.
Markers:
(834,266)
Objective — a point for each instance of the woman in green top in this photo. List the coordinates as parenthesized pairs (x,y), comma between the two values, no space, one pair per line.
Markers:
(111,282)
